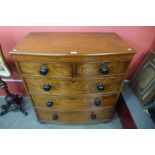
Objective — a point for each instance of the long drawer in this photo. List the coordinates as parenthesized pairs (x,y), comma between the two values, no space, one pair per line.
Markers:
(91,69)
(73,77)
(87,116)
(68,87)
(73,103)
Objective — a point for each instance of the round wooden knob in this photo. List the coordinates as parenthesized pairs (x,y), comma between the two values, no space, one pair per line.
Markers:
(47,87)
(93,116)
(43,70)
(100,86)
(49,103)
(104,69)
(97,102)
(55,117)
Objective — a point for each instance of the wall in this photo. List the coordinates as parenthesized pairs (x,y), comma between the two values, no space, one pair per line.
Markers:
(140,38)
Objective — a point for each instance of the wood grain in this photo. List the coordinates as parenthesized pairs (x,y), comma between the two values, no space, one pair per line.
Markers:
(102,115)
(93,69)
(73,77)
(68,87)
(73,103)
(71,58)
(62,43)
(79,69)
(54,69)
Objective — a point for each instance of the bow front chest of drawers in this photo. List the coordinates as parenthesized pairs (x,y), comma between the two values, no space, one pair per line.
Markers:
(73,77)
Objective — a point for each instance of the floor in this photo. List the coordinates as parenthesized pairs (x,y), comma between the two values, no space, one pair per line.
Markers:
(16,120)
(140,117)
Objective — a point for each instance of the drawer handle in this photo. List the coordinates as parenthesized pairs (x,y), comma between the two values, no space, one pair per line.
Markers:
(93,116)
(55,117)
(47,87)
(97,102)
(49,103)
(104,69)
(43,70)
(100,86)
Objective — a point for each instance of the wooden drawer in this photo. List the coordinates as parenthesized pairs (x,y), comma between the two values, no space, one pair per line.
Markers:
(73,103)
(73,69)
(48,69)
(85,116)
(67,87)
(101,68)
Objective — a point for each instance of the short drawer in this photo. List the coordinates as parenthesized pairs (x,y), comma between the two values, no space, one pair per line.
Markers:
(68,87)
(100,68)
(73,103)
(89,116)
(89,69)
(46,69)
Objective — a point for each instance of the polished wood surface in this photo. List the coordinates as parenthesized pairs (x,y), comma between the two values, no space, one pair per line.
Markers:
(62,72)
(71,58)
(93,69)
(73,103)
(80,69)
(54,69)
(62,43)
(69,87)
(102,115)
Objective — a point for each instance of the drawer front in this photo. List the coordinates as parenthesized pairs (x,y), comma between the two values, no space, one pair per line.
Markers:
(89,116)
(101,68)
(66,87)
(75,69)
(73,103)
(46,69)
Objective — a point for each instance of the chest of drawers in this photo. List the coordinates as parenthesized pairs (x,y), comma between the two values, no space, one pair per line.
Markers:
(73,77)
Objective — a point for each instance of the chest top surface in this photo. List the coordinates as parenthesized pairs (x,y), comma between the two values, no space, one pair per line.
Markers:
(66,43)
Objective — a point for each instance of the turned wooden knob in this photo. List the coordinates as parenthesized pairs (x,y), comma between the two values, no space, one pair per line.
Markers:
(104,69)
(43,70)
(49,103)
(97,102)
(47,87)
(55,117)
(100,86)
(93,116)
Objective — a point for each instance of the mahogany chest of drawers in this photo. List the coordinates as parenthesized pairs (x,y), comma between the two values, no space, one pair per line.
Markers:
(73,77)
